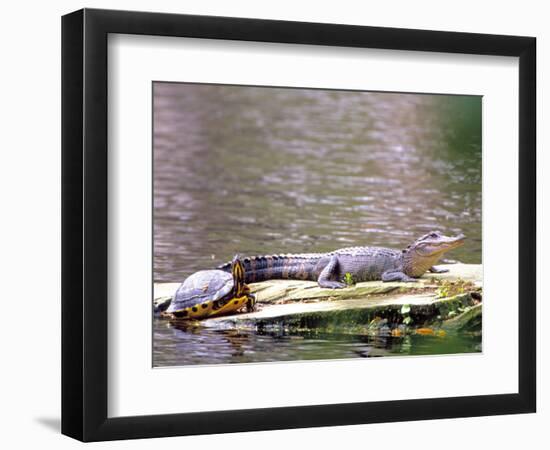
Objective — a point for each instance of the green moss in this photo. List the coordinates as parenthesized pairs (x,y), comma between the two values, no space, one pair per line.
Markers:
(450,288)
(348,279)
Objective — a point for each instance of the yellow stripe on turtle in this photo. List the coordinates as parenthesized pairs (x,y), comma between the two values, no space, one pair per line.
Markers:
(199,311)
(233,305)
(206,309)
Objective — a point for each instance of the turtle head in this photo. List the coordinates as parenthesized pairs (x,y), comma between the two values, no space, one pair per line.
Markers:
(237,270)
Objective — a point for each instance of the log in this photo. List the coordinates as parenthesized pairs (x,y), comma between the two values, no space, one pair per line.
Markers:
(371,307)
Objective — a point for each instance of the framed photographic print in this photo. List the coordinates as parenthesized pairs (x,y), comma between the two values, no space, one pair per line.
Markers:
(273,224)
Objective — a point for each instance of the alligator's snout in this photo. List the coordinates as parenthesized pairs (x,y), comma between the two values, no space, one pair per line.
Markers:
(447,243)
(436,243)
(457,241)
(460,237)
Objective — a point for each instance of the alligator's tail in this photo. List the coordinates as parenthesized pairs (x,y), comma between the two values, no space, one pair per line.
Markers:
(273,267)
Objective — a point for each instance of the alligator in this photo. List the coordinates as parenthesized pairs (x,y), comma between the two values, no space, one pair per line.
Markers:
(361,263)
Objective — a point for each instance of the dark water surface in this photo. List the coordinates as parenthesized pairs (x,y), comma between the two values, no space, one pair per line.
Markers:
(176,346)
(271,170)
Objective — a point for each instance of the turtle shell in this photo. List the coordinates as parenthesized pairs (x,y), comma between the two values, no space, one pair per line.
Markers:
(201,289)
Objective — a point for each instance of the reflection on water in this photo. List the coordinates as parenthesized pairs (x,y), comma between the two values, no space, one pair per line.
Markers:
(271,170)
(174,346)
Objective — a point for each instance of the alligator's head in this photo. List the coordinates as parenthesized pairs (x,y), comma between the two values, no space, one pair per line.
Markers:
(427,250)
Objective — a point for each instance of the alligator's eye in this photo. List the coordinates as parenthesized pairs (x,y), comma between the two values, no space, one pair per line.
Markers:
(434,235)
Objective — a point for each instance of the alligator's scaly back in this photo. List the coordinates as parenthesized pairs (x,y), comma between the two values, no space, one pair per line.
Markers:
(361,263)
(271,267)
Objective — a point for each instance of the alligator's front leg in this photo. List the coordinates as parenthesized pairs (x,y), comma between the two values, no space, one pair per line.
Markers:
(434,269)
(326,278)
(397,276)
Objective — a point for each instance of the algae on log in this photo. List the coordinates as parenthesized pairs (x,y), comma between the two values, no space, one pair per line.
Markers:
(298,305)
(469,320)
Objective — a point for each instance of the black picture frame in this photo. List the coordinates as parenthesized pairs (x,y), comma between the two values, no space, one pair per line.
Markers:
(84,224)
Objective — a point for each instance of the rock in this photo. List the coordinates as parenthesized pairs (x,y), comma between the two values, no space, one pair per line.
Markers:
(292,304)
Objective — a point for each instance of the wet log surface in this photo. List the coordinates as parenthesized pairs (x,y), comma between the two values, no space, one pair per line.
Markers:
(448,301)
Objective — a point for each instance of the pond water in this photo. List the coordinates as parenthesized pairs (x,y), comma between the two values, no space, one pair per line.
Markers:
(176,346)
(254,170)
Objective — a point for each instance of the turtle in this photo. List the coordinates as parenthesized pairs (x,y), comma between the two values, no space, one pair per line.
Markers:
(208,293)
